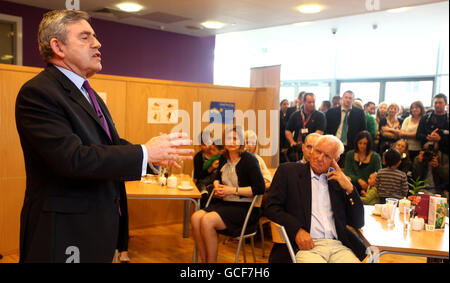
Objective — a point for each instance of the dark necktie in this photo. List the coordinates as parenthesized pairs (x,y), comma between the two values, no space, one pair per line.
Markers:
(94,101)
(345,127)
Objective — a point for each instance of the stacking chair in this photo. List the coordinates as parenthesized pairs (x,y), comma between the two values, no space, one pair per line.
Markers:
(256,202)
(280,236)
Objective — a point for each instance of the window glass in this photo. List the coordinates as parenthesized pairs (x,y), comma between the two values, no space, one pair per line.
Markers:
(367,91)
(406,92)
(7,54)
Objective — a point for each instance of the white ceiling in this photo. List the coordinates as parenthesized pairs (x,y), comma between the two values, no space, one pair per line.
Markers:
(238,15)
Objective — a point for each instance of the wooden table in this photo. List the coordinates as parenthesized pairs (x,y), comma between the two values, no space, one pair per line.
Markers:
(141,190)
(397,240)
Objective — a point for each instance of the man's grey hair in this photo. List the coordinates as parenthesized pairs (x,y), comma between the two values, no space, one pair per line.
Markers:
(311,135)
(332,140)
(54,25)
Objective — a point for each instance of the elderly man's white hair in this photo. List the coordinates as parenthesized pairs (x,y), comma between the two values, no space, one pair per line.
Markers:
(312,135)
(330,139)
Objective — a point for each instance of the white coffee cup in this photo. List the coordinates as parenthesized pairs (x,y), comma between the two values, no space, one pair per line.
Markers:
(172,181)
(185,184)
(377,209)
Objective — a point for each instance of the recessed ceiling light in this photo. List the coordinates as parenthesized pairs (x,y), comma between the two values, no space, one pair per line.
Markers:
(301,24)
(213,24)
(310,8)
(399,10)
(129,7)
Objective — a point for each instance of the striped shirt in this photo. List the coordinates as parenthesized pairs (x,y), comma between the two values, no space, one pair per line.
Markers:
(391,183)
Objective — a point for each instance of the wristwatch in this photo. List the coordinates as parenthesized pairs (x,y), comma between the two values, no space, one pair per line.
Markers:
(236,192)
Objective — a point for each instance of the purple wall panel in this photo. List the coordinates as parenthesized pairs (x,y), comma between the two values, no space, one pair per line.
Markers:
(129,50)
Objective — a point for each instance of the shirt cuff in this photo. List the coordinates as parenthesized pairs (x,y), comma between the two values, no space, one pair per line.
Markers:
(156,169)
(144,160)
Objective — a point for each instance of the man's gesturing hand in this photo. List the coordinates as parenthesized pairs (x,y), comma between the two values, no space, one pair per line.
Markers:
(165,149)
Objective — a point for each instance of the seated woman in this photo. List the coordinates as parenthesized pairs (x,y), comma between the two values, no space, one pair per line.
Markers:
(361,161)
(250,145)
(389,128)
(239,180)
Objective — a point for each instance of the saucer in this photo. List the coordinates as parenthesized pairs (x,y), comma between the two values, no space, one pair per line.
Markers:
(378,213)
(185,188)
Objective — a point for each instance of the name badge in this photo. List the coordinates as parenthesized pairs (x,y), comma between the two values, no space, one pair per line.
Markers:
(304,131)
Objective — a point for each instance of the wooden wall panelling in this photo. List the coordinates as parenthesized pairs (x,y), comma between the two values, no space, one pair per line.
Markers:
(153,212)
(12,168)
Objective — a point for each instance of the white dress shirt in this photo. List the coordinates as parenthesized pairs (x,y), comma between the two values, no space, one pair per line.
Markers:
(78,82)
(322,217)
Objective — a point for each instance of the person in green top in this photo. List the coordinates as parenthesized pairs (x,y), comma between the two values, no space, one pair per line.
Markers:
(370,196)
(369,109)
(361,161)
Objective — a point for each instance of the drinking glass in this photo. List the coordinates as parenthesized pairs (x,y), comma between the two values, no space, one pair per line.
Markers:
(392,203)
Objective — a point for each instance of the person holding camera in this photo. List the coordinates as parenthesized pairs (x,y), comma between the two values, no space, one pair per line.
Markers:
(432,164)
(433,127)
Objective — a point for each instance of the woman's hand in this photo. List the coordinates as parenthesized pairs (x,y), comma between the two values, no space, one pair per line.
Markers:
(222,191)
(363,184)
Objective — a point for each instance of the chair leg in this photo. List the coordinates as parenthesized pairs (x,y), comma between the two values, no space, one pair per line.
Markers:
(261,231)
(243,250)
(252,241)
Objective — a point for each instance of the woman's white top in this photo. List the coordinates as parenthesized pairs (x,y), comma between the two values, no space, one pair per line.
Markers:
(229,178)
(409,127)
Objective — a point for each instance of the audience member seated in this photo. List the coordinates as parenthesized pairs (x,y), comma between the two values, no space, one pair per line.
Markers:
(202,156)
(432,164)
(303,122)
(307,147)
(391,182)
(406,164)
(389,127)
(315,203)
(251,141)
(212,166)
(434,125)
(409,128)
(361,161)
(370,197)
(239,180)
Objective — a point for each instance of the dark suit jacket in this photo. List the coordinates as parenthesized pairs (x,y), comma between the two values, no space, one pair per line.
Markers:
(289,204)
(356,123)
(75,173)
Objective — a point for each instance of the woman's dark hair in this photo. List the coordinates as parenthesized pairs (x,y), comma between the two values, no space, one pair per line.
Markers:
(283,101)
(361,135)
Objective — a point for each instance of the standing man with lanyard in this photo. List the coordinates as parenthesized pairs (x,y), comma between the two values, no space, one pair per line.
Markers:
(302,123)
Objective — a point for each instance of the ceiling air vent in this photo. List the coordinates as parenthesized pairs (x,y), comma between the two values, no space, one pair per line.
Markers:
(113,13)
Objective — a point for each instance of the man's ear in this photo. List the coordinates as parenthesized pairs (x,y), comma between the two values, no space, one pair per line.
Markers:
(57,48)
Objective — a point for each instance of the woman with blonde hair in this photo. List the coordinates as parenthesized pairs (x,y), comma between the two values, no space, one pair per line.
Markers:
(389,127)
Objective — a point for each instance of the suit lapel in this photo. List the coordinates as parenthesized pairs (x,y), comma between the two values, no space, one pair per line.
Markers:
(306,195)
(75,94)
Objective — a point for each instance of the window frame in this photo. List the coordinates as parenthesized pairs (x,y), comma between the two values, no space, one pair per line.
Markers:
(18,36)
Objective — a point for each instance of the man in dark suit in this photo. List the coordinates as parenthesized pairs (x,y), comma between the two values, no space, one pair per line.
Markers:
(345,122)
(75,161)
(315,204)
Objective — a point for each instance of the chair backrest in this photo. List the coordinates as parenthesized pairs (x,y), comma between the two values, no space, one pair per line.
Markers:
(280,236)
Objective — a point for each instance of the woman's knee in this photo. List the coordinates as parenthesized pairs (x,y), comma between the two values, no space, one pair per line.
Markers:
(197,216)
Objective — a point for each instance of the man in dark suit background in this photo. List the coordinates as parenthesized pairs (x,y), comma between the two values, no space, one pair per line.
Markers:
(345,122)
(75,161)
(315,204)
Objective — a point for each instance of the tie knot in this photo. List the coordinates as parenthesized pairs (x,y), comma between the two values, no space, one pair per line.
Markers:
(87,86)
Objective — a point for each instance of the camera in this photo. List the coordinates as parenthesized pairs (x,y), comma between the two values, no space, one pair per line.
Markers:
(430,151)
